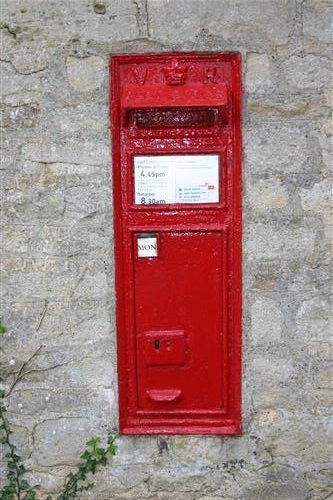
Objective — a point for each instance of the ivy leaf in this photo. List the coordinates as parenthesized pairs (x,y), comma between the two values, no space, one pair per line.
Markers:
(24,485)
(21,469)
(93,441)
(31,495)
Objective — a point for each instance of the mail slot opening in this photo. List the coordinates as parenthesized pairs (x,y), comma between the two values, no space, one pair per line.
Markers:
(174,117)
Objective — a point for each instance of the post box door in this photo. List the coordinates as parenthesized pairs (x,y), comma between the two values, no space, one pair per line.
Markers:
(177,220)
(179,323)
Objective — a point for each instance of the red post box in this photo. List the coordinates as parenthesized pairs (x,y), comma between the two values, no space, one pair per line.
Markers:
(177,218)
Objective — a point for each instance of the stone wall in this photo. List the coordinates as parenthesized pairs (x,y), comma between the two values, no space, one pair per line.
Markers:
(57,251)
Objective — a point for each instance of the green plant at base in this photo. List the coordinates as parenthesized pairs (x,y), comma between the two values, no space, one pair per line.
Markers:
(18,488)
(93,457)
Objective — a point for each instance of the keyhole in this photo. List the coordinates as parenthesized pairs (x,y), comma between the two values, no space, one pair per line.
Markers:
(156,344)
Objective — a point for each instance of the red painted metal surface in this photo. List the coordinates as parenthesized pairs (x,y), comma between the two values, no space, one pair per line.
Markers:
(179,310)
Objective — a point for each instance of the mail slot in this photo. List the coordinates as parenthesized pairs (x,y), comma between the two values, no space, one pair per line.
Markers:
(176,150)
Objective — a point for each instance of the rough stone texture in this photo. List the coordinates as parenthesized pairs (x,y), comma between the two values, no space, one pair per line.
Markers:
(57,244)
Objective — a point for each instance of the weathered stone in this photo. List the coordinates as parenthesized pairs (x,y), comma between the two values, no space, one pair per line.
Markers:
(276,147)
(268,194)
(58,441)
(258,73)
(325,142)
(317,199)
(48,192)
(85,74)
(19,116)
(18,89)
(317,18)
(286,105)
(267,321)
(70,21)
(180,448)
(47,150)
(272,243)
(320,482)
(45,279)
(309,72)
(55,402)
(273,390)
(313,320)
(296,444)
(248,24)
(278,483)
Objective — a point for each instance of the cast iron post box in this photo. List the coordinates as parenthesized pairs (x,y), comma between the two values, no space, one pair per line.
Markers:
(177,218)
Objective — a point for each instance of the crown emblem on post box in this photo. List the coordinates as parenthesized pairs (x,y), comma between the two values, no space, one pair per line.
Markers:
(176,73)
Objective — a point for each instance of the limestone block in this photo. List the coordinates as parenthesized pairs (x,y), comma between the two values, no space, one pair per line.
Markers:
(270,242)
(326,145)
(179,480)
(20,437)
(62,22)
(109,481)
(318,199)
(320,482)
(57,193)
(83,120)
(49,149)
(180,448)
(268,194)
(325,376)
(18,89)
(267,320)
(129,451)
(55,402)
(269,369)
(85,74)
(246,23)
(272,387)
(77,322)
(276,147)
(327,128)
(46,279)
(66,368)
(131,476)
(277,482)
(274,103)
(258,73)
(313,320)
(27,244)
(18,46)
(308,72)
(296,442)
(19,117)
(61,441)
(83,203)
(317,20)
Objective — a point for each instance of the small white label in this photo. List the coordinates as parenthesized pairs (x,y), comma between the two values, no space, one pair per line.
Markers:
(165,179)
(147,246)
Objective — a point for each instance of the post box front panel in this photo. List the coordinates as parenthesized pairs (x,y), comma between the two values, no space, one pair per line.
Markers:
(176,174)
(179,319)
